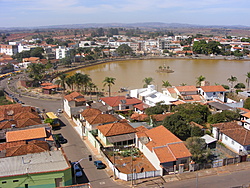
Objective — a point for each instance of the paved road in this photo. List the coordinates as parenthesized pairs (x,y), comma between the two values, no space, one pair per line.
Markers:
(75,149)
(224,180)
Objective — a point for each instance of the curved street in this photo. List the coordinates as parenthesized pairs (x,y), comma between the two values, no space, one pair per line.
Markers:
(76,148)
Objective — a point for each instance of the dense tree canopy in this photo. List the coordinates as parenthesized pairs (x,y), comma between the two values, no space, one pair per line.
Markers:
(197,148)
(247,103)
(124,49)
(224,116)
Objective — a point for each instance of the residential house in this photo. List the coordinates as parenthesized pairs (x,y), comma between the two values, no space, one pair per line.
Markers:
(29,134)
(43,169)
(210,93)
(118,134)
(188,94)
(121,103)
(233,135)
(74,103)
(245,119)
(163,149)
(151,97)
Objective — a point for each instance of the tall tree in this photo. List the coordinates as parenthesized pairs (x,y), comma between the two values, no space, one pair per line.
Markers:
(248,80)
(70,82)
(62,81)
(231,80)
(36,71)
(199,80)
(109,81)
(147,81)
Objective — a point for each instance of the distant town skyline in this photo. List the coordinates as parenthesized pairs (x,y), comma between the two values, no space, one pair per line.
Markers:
(31,13)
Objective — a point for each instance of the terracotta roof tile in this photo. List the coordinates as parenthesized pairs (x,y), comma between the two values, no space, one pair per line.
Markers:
(139,117)
(140,131)
(101,119)
(27,134)
(161,117)
(116,129)
(36,147)
(115,101)
(75,96)
(247,115)
(141,106)
(160,136)
(234,131)
(186,88)
(217,88)
(90,112)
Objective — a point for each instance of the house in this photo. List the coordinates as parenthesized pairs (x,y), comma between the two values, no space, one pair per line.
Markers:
(163,149)
(29,134)
(151,97)
(10,149)
(211,93)
(43,169)
(246,120)
(74,103)
(62,52)
(121,103)
(118,134)
(91,122)
(233,135)
(188,94)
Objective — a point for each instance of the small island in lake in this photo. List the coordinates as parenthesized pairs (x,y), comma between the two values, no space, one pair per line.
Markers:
(164,69)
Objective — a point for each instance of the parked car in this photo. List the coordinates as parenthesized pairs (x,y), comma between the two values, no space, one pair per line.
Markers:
(59,137)
(77,169)
(99,164)
(59,111)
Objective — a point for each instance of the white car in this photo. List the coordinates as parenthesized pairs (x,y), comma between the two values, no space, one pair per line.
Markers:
(59,111)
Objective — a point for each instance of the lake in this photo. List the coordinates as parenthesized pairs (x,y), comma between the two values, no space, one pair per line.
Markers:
(130,74)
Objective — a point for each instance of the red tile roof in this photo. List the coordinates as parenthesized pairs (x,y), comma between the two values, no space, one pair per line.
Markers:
(141,106)
(75,96)
(113,129)
(217,88)
(165,144)
(31,147)
(27,134)
(90,112)
(186,88)
(115,101)
(234,131)
(247,115)
(101,119)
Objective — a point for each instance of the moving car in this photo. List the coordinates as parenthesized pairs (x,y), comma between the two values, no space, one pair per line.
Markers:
(99,165)
(77,169)
(60,138)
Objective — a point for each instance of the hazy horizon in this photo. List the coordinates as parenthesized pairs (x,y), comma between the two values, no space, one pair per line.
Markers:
(34,13)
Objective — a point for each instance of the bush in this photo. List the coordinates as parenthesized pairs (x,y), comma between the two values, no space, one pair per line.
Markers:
(239,86)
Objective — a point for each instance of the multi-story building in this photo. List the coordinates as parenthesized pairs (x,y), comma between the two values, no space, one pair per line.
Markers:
(62,52)
(8,49)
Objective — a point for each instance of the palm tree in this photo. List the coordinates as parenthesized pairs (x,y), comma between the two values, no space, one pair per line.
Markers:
(62,81)
(199,80)
(248,80)
(147,81)
(231,80)
(85,81)
(183,84)
(70,82)
(109,81)
(166,83)
(90,86)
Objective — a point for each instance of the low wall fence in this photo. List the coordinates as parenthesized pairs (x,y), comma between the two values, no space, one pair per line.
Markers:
(129,177)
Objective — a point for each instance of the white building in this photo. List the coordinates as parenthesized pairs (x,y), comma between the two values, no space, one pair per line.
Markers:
(62,52)
(8,49)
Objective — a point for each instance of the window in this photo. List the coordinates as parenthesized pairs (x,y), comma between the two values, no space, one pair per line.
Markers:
(3,182)
(232,142)
(15,180)
(26,186)
(226,138)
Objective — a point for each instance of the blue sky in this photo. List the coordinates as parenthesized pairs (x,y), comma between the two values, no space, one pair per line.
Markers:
(18,13)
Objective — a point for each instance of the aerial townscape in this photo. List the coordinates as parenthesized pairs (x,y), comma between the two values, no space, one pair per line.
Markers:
(114,104)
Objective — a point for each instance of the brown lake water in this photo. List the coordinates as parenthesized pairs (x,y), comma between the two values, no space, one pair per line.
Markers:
(130,74)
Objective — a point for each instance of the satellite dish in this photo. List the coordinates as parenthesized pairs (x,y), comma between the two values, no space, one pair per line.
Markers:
(144,140)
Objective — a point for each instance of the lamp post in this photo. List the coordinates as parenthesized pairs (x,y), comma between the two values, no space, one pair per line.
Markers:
(77,162)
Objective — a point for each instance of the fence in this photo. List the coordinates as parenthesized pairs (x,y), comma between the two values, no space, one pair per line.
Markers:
(129,177)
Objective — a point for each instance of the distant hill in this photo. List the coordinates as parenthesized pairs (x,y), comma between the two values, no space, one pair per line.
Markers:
(149,25)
